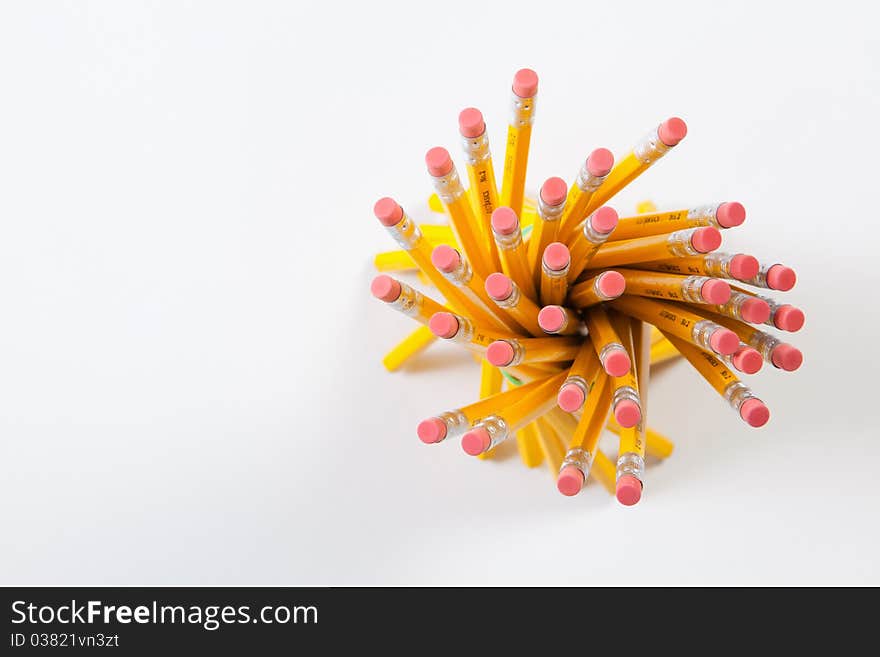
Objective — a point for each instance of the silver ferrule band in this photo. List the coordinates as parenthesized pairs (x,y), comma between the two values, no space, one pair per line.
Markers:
(522,110)
(631,463)
(717,264)
(704,215)
(455,421)
(679,243)
(587,182)
(703,332)
(736,394)
(592,235)
(579,458)
(513,300)
(555,273)
(498,429)
(476,149)
(550,213)
(508,242)
(625,392)
(409,301)
(406,233)
(448,187)
(651,148)
(462,274)
(691,289)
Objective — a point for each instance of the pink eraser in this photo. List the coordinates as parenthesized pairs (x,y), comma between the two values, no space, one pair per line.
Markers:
(476,441)
(443,325)
(551,318)
(570,397)
(627,413)
(744,267)
(786,357)
(388,212)
(385,288)
(445,258)
(672,131)
(470,123)
(525,83)
(754,412)
(553,191)
(556,256)
(439,162)
(780,277)
(600,162)
(755,311)
(789,318)
(604,220)
(723,341)
(611,284)
(616,362)
(629,490)
(715,291)
(432,430)
(570,481)
(706,239)
(499,286)
(730,214)
(505,221)
(747,360)
(500,353)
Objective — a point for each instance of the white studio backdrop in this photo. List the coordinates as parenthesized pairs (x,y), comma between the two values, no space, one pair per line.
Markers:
(190,380)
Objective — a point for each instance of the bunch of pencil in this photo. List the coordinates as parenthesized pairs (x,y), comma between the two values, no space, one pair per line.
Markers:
(567,305)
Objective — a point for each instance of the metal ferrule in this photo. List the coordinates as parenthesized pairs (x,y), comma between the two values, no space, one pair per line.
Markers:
(764,343)
(518,353)
(409,301)
(702,333)
(679,243)
(579,458)
(455,421)
(549,213)
(587,182)
(651,148)
(718,264)
(733,307)
(625,392)
(476,149)
(508,242)
(704,215)
(465,330)
(522,110)
(406,233)
(511,301)
(448,187)
(607,349)
(760,279)
(736,393)
(630,463)
(691,289)
(555,273)
(462,274)
(498,429)
(592,235)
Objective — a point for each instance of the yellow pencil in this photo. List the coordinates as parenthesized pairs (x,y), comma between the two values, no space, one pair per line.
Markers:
(719,215)
(519,135)
(481,175)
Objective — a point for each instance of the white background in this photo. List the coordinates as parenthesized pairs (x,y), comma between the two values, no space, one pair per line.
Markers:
(190,385)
